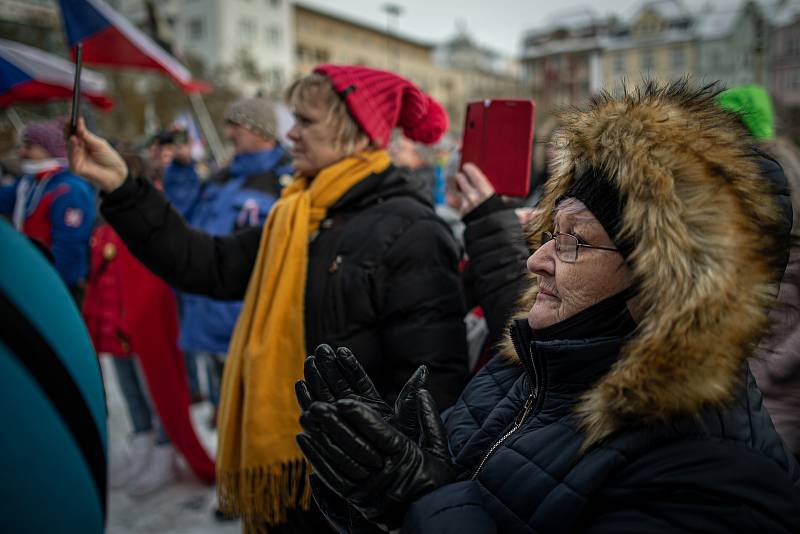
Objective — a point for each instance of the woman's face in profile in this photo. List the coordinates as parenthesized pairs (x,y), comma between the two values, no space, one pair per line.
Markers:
(313,137)
(567,288)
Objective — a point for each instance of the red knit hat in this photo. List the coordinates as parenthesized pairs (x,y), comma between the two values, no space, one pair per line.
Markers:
(380,101)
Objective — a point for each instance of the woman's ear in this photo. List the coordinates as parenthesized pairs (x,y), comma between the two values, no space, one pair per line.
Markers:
(362,143)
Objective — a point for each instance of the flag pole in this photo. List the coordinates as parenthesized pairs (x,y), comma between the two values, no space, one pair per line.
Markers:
(13,118)
(207,125)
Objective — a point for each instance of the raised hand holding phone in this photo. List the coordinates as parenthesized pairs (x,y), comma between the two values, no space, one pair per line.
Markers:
(474,188)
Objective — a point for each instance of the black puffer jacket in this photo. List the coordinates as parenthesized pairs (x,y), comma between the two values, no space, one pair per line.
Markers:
(382,275)
(496,273)
(724,471)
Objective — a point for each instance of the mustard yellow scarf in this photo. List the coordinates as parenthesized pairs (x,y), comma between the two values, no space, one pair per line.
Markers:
(259,466)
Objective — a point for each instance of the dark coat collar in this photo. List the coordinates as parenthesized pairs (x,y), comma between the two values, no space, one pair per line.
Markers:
(378,187)
(564,368)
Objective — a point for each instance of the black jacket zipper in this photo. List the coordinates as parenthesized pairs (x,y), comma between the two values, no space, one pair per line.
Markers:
(530,402)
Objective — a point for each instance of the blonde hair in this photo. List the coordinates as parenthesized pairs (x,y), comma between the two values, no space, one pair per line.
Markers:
(318,89)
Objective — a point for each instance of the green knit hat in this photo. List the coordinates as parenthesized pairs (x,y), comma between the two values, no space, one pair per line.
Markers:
(754,107)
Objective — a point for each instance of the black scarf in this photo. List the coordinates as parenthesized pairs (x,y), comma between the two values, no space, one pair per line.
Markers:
(607,318)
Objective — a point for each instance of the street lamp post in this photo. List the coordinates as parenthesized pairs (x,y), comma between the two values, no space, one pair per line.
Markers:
(393,12)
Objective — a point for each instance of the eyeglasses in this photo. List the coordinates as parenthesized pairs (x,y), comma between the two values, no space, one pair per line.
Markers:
(567,245)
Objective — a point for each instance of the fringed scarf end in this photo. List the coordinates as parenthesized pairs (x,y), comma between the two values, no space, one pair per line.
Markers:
(263,495)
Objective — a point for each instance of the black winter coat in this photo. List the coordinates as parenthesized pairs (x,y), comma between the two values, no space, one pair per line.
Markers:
(496,273)
(382,275)
(724,471)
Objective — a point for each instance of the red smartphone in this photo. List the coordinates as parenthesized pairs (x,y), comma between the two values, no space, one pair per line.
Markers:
(498,138)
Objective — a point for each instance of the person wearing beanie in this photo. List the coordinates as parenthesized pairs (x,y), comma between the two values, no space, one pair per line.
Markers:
(776,364)
(351,254)
(50,204)
(622,400)
(238,196)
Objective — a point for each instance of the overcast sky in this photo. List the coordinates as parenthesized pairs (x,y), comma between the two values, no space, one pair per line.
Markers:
(495,23)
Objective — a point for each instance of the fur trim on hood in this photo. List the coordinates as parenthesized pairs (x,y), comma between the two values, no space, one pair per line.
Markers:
(701,222)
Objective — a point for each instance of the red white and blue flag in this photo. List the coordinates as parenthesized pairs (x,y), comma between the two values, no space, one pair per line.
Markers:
(28,74)
(109,39)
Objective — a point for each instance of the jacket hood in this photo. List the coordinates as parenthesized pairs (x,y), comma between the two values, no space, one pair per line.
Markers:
(700,221)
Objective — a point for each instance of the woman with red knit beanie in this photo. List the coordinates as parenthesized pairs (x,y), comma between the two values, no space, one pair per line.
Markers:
(351,255)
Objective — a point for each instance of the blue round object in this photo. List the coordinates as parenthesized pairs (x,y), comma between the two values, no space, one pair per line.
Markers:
(52,403)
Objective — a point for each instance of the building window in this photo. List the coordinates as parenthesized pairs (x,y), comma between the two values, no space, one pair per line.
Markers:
(619,63)
(275,77)
(678,59)
(792,46)
(247,29)
(715,58)
(196,29)
(648,61)
(273,36)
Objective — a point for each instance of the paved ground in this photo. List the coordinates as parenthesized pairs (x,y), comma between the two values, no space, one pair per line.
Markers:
(185,506)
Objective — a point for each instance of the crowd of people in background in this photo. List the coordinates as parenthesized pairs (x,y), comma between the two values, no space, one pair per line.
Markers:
(362,240)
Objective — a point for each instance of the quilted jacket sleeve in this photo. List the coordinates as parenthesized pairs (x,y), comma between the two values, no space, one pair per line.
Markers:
(496,275)
(452,509)
(690,486)
(191,261)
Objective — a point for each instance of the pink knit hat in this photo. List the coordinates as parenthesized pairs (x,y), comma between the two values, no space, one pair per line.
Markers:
(381,101)
(48,135)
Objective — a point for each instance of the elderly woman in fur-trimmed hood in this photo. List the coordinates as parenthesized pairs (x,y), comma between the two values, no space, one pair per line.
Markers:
(623,401)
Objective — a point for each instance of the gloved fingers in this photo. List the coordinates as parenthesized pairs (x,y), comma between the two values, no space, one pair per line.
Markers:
(405,407)
(340,485)
(316,384)
(304,398)
(433,436)
(325,360)
(346,439)
(369,423)
(356,376)
(339,460)
(334,508)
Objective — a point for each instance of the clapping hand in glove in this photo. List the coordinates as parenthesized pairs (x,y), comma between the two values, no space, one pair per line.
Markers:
(371,464)
(332,376)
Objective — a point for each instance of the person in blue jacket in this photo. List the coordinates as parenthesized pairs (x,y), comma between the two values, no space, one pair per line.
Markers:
(181,182)
(238,196)
(51,205)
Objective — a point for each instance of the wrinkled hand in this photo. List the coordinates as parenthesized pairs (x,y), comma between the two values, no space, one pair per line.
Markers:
(91,157)
(332,376)
(369,463)
(474,187)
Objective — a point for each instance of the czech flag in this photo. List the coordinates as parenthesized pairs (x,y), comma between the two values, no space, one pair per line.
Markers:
(31,75)
(109,39)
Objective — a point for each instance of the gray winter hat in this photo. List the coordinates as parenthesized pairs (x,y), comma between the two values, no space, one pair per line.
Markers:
(256,114)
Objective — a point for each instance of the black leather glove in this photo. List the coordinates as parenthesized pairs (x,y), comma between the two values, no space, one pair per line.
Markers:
(331,376)
(341,516)
(369,463)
